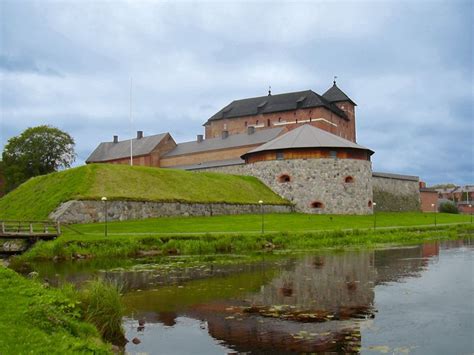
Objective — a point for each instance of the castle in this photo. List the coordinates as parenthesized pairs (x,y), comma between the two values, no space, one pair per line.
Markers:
(300,144)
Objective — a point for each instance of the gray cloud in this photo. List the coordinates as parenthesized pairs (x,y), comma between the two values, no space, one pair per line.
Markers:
(407,64)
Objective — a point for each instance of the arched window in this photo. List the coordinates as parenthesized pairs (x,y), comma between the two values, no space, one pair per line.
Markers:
(256,123)
(279,119)
(369,204)
(268,123)
(348,179)
(317,204)
(284,178)
(246,124)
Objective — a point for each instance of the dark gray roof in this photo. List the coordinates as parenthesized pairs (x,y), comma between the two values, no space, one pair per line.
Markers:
(109,150)
(210,164)
(234,140)
(334,94)
(307,136)
(276,103)
(395,176)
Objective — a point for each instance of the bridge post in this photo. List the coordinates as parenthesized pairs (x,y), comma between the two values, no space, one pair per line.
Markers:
(31,228)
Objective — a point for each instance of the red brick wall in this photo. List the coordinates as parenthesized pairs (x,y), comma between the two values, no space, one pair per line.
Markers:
(309,153)
(465,209)
(427,199)
(236,125)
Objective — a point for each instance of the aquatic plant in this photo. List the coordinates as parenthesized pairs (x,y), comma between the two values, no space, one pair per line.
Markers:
(102,306)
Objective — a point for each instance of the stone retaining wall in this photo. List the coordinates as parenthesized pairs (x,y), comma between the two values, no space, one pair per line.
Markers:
(315,180)
(396,194)
(12,245)
(94,211)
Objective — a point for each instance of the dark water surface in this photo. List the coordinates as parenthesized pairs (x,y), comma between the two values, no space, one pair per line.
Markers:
(416,300)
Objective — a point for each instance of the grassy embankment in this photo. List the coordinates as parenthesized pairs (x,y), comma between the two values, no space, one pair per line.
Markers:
(241,234)
(39,196)
(41,320)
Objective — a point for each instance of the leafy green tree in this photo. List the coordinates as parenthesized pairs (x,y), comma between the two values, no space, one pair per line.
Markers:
(37,151)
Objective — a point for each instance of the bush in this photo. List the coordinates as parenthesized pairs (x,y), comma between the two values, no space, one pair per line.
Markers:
(448,207)
(102,306)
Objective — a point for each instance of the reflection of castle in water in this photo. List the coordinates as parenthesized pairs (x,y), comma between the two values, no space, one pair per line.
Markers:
(338,286)
(341,285)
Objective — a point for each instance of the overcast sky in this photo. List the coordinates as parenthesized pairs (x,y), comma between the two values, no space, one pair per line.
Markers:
(408,66)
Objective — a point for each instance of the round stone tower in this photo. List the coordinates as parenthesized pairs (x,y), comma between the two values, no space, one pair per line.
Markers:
(318,171)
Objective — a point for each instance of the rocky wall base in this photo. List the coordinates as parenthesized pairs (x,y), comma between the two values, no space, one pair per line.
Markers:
(94,211)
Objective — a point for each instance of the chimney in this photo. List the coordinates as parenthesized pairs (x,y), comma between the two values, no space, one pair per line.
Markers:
(199,138)
(115,139)
(225,134)
(250,129)
(139,134)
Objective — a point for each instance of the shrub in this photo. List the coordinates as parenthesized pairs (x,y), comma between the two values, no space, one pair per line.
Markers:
(448,207)
(102,306)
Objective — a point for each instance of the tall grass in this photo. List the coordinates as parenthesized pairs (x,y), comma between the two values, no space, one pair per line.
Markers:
(130,245)
(102,306)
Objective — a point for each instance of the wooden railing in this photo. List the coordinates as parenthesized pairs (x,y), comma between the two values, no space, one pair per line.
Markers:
(27,229)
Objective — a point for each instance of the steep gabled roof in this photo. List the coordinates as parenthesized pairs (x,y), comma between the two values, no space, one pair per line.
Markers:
(232,141)
(334,94)
(110,151)
(307,136)
(276,103)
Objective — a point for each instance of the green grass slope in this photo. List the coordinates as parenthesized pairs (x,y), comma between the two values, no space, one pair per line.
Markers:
(39,320)
(39,196)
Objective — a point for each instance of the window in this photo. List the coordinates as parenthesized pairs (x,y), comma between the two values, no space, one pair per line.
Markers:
(333,154)
(284,178)
(369,204)
(268,123)
(279,119)
(280,156)
(246,124)
(348,179)
(317,204)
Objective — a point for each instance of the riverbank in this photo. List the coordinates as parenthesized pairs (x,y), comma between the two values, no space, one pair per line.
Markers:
(86,246)
(43,320)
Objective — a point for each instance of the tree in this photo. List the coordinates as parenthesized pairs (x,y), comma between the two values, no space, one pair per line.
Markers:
(37,151)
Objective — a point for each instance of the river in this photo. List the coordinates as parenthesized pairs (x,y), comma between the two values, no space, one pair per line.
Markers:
(412,299)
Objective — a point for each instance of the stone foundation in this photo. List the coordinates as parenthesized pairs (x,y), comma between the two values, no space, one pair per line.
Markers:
(94,211)
(313,181)
(13,246)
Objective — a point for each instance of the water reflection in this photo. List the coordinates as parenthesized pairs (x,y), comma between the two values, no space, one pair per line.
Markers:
(312,303)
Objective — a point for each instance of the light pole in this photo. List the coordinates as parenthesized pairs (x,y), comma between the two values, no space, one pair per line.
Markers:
(104,200)
(434,210)
(261,212)
(375,216)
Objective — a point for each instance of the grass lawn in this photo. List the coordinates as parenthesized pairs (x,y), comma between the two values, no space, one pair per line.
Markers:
(35,319)
(39,196)
(242,234)
(292,222)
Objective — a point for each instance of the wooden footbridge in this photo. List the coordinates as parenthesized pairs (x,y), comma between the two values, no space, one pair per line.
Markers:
(26,231)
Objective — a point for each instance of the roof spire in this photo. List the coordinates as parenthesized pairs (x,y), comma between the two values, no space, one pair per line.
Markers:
(269,91)
(334,82)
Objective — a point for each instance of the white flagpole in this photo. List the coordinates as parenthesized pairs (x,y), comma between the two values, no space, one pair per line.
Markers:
(131,125)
